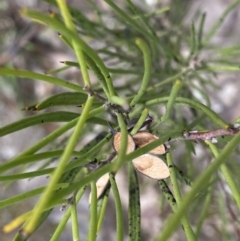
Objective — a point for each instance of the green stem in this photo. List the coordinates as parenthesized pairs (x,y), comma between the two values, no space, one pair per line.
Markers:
(58,26)
(168,194)
(197,105)
(119,211)
(59,116)
(32,76)
(84,181)
(103,209)
(18,198)
(176,87)
(129,20)
(204,211)
(141,17)
(31,158)
(200,32)
(185,222)
(147,71)
(124,143)
(84,157)
(91,65)
(45,198)
(92,233)
(77,49)
(54,135)
(112,166)
(63,222)
(201,181)
(134,209)
(141,120)
(193,41)
(227,175)
(219,22)
(75,225)
(26,175)
(168,80)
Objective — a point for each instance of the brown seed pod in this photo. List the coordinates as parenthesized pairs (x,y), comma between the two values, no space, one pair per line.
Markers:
(151,166)
(101,185)
(117,143)
(143,138)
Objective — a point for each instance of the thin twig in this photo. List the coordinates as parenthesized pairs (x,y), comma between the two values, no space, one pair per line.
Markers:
(113,107)
(209,135)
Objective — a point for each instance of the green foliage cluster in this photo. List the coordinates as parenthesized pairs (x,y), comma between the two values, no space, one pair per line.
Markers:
(148,70)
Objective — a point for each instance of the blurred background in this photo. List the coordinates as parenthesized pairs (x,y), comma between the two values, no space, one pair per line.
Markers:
(26,45)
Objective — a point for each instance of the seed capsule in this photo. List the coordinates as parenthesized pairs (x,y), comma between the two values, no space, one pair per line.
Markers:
(151,166)
(101,185)
(117,140)
(143,138)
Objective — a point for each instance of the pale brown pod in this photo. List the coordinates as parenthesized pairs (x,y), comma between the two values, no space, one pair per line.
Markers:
(117,140)
(101,185)
(151,166)
(143,138)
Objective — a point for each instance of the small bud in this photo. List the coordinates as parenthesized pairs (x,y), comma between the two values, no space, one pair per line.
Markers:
(134,121)
(236,125)
(186,134)
(63,207)
(194,131)
(214,140)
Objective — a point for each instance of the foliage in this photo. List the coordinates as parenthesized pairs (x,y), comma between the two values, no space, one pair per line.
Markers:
(147,69)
